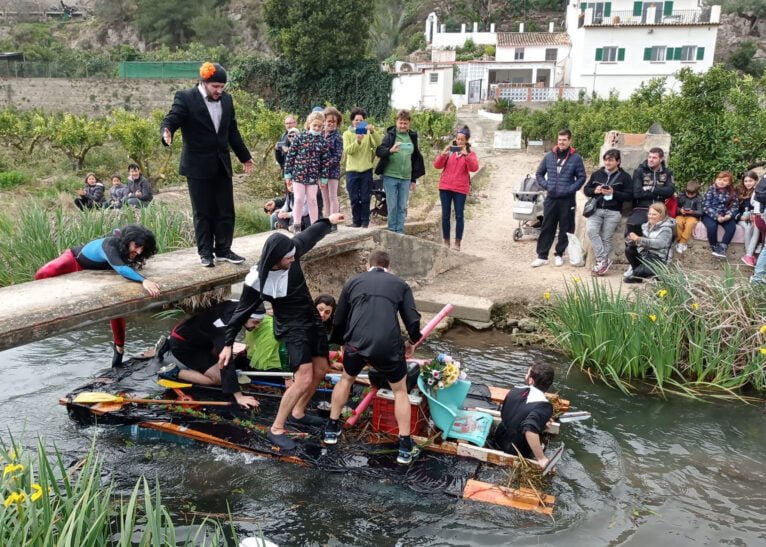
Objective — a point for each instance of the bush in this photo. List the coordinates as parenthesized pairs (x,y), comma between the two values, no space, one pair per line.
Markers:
(9,179)
(458,87)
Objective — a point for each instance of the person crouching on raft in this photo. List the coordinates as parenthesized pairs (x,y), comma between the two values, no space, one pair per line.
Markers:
(124,252)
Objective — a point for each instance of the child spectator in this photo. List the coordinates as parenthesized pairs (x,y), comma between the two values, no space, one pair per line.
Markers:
(611,185)
(117,193)
(719,207)
(92,195)
(332,121)
(746,216)
(652,247)
(307,165)
(458,162)
(689,213)
(139,188)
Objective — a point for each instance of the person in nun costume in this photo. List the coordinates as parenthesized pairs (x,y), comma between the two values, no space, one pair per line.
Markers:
(278,278)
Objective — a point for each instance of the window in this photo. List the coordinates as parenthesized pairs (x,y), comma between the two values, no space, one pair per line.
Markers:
(434,77)
(600,10)
(610,54)
(551,54)
(657,53)
(688,53)
(518,55)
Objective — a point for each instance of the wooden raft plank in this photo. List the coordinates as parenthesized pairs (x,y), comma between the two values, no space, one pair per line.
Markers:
(523,499)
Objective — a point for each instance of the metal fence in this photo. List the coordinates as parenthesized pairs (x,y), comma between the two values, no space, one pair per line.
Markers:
(34,69)
(629,18)
(145,69)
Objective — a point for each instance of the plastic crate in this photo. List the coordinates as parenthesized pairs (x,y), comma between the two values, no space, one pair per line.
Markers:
(384,419)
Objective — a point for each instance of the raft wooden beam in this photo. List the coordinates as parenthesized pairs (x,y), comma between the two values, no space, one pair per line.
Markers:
(523,499)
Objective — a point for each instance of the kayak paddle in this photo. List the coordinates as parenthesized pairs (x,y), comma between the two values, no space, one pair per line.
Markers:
(93,397)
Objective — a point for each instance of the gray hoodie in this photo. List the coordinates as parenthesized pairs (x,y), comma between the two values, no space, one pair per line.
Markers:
(656,240)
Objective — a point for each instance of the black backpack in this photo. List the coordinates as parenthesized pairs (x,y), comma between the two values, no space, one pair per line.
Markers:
(760,191)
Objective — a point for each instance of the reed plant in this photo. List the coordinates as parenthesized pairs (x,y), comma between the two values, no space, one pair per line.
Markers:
(44,503)
(685,333)
(34,235)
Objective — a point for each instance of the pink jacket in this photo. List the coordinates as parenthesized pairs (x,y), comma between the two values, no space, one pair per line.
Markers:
(455,176)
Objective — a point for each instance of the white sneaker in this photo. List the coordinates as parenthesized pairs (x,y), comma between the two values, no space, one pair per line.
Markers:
(537,262)
(681,248)
(628,273)
(558,260)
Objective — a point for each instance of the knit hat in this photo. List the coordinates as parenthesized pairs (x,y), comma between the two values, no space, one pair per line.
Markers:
(212,72)
(465,131)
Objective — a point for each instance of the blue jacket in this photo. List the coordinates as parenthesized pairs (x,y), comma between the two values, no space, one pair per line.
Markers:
(566,182)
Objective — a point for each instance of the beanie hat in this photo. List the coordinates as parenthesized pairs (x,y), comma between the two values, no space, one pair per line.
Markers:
(212,72)
(465,131)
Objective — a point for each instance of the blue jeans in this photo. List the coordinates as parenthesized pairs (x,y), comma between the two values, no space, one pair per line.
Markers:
(447,197)
(397,196)
(711,224)
(759,276)
(359,186)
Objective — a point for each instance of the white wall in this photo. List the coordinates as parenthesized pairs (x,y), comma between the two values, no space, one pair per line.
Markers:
(458,39)
(531,53)
(416,91)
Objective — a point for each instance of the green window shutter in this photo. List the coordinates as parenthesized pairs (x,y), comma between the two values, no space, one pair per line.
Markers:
(700,53)
(621,54)
(583,6)
(599,53)
(678,54)
(638,8)
(667,8)
(647,54)
(607,9)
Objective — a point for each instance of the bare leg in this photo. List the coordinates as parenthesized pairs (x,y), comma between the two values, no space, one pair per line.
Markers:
(195,377)
(302,382)
(402,409)
(340,394)
(320,369)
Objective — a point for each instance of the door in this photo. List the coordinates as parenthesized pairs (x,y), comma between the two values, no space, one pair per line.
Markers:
(474,91)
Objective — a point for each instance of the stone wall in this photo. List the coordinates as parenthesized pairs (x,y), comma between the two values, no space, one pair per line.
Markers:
(89,96)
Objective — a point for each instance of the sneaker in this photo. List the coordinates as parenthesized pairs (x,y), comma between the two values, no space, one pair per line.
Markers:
(230,257)
(116,357)
(558,260)
(307,420)
(628,273)
(758,248)
(605,265)
(331,432)
(282,441)
(207,261)
(754,281)
(597,268)
(749,260)
(719,251)
(405,456)
(537,262)
(632,279)
(161,348)
(169,372)
(681,248)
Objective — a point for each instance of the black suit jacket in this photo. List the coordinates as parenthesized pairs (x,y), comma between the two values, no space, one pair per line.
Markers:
(203,148)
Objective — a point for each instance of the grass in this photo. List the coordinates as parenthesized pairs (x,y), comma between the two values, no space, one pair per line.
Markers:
(45,503)
(687,334)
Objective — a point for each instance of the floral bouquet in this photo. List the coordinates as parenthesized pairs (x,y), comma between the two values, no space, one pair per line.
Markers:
(441,372)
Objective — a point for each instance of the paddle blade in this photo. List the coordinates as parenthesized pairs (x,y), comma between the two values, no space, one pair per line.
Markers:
(92,397)
(170,384)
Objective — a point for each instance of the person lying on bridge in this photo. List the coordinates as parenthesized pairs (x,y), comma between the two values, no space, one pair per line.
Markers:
(278,278)
(525,412)
(366,321)
(124,252)
(195,343)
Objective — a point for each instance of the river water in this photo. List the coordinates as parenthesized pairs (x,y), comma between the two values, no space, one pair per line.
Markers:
(643,471)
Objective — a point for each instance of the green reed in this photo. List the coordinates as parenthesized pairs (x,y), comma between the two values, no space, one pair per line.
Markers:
(45,503)
(33,236)
(686,333)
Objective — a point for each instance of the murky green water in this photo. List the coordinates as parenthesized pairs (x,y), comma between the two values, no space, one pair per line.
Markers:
(642,472)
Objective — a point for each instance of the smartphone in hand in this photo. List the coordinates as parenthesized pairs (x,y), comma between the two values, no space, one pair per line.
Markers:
(455,149)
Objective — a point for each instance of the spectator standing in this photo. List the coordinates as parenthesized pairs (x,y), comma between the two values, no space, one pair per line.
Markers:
(689,213)
(401,165)
(458,161)
(283,144)
(561,174)
(359,142)
(719,207)
(611,186)
(332,121)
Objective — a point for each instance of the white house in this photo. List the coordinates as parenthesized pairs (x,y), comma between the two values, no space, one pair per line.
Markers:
(439,38)
(620,44)
(416,87)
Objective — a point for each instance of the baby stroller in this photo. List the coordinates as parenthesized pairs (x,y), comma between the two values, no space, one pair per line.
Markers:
(528,208)
(379,208)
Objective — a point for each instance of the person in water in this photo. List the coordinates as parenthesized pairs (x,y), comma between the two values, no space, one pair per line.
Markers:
(125,251)
(278,278)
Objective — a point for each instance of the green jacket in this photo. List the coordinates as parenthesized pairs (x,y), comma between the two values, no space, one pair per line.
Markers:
(360,156)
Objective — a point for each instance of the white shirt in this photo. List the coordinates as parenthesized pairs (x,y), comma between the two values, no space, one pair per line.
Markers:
(214,108)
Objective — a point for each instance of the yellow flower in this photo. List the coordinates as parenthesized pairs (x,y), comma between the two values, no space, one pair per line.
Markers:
(576,279)
(762,330)
(695,306)
(763,351)
(12,468)
(38,492)
(547,295)
(662,293)
(16,497)
(652,317)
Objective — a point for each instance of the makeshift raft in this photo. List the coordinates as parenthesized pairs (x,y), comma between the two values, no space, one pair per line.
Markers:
(456,468)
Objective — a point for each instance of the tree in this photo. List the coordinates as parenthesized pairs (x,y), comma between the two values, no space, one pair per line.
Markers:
(743,59)
(76,136)
(173,22)
(296,31)
(22,130)
(752,10)
(138,136)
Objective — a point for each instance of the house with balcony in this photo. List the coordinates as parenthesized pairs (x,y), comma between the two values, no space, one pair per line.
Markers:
(618,45)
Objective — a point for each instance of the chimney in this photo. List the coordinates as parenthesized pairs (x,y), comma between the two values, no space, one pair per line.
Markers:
(476,27)
(521,27)
(550,26)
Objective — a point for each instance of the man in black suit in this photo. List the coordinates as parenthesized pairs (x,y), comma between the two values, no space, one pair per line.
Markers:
(205,115)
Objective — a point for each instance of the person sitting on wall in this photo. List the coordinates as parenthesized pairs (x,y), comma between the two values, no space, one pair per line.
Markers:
(139,188)
(524,414)
(92,194)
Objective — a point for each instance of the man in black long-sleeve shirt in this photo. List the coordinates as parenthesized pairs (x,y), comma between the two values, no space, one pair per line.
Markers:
(366,322)
(278,278)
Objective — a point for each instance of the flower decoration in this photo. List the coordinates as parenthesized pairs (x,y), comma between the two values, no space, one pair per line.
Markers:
(37,492)
(653,317)
(695,306)
(206,70)
(547,295)
(12,468)
(662,293)
(15,497)
(441,372)
(576,280)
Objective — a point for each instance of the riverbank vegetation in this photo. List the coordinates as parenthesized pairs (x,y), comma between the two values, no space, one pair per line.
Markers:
(46,503)
(687,333)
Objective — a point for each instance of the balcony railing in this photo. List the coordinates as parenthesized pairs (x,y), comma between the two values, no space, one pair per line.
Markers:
(532,94)
(651,17)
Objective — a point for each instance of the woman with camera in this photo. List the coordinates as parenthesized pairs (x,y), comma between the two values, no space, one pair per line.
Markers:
(652,247)
(458,161)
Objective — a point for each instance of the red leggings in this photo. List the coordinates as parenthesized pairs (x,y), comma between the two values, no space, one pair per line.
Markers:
(67,263)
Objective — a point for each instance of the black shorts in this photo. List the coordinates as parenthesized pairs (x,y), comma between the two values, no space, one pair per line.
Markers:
(353,363)
(192,357)
(305,344)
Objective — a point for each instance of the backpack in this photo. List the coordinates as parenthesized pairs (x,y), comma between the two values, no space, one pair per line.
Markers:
(759,194)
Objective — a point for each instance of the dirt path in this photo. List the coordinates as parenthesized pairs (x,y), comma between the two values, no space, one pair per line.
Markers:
(502,272)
